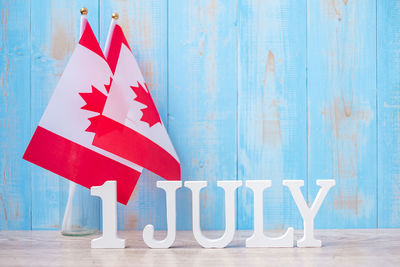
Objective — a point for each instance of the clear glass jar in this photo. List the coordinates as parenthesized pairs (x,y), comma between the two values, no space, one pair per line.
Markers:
(81,215)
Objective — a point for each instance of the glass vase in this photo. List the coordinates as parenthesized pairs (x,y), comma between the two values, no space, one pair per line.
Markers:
(81,215)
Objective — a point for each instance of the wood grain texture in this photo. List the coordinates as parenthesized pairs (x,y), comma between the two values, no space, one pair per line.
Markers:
(202,98)
(15,181)
(247,89)
(271,106)
(145,26)
(342,110)
(388,86)
(351,248)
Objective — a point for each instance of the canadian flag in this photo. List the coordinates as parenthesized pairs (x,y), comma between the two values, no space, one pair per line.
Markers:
(75,137)
(128,123)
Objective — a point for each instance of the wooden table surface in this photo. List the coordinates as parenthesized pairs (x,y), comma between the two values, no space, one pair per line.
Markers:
(340,248)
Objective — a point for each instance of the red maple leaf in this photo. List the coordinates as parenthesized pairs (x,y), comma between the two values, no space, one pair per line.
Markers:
(150,113)
(95,102)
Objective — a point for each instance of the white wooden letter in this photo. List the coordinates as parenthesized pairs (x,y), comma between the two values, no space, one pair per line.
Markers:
(170,188)
(258,239)
(307,213)
(108,194)
(230,212)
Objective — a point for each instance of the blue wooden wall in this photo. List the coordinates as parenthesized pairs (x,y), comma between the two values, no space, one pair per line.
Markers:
(248,90)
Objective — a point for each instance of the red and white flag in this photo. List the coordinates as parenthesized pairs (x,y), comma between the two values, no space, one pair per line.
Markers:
(128,123)
(101,122)
(63,141)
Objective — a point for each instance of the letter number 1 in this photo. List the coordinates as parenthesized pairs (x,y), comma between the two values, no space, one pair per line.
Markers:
(108,194)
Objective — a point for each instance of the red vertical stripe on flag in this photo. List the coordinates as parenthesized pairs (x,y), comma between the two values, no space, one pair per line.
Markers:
(79,164)
(131,145)
(117,39)
(88,40)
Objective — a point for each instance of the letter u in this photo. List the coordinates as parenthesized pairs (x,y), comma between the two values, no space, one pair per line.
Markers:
(230,212)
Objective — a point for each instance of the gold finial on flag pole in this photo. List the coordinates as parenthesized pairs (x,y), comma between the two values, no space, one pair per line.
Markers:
(115,15)
(84,10)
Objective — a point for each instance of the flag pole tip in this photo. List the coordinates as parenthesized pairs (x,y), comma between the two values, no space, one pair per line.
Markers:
(84,11)
(115,15)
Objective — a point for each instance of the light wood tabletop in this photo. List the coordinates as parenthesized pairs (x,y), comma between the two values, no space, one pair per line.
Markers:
(340,248)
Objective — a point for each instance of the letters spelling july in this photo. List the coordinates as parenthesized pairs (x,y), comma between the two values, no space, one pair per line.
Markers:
(107,192)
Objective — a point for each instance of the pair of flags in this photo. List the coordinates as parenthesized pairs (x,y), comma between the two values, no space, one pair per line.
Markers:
(101,122)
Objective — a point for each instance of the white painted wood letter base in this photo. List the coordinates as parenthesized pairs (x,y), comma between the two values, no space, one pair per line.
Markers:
(230,212)
(108,194)
(258,239)
(170,188)
(307,213)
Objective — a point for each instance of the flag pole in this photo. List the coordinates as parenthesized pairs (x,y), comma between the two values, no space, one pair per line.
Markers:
(67,220)
(114,18)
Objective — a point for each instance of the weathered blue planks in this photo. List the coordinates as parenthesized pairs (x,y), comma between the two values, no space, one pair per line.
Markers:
(247,89)
(342,110)
(145,26)
(202,96)
(271,106)
(15,182)
(388,85)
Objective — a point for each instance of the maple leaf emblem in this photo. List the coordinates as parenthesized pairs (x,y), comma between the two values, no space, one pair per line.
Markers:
(150,113)
(95,101)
